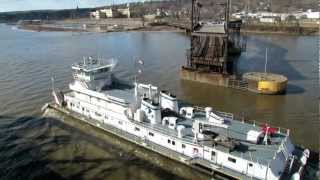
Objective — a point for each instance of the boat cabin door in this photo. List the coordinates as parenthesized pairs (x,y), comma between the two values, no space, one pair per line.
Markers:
(213,156)
(250,169)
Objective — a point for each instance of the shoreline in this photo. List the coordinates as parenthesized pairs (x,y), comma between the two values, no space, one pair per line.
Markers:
(279,33)
(106,28)
(41,28)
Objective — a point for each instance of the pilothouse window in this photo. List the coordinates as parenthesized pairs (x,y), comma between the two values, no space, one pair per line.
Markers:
(103,70)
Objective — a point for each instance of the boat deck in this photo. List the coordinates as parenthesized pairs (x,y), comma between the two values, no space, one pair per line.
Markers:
(231,174)
(236,131)
(124,92)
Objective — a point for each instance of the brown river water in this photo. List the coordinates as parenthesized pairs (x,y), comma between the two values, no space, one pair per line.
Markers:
(34,147)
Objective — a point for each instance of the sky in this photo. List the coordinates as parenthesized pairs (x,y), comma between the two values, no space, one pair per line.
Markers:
(23,5)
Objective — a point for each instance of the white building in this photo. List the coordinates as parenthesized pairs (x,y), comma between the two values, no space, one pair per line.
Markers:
(312,15)
(269,19)
(110,13)
(125,12)
(267,16)
(95,14)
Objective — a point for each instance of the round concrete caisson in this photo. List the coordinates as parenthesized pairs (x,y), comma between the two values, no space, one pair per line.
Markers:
(266,83)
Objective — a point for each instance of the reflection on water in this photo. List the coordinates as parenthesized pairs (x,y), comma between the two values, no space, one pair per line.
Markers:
(33,147)
(60,151)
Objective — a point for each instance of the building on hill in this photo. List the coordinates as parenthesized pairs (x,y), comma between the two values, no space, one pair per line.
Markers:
(272,17)
(125,12)
(269,19)
(111,13)
(312,15)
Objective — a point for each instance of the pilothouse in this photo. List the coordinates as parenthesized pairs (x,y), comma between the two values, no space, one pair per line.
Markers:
(94,74)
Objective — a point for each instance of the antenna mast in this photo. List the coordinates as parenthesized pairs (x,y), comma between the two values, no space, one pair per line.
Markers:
(266,61)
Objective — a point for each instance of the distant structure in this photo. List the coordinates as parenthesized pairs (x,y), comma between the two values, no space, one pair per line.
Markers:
(125,12)
(272,17)
(210,58)
(213,42)
(111,13)
(312,15)
(30,22)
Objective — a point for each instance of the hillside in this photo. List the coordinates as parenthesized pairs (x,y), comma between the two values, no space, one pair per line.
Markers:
(211,8)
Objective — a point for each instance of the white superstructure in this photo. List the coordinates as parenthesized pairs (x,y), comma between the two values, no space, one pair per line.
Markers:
(92,73)
(203,135)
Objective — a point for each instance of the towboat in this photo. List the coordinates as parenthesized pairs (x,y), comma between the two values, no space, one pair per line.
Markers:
(201,137)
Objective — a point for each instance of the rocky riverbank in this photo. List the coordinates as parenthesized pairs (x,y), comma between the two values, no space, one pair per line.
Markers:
(102,26)
(289,29)
(136,24)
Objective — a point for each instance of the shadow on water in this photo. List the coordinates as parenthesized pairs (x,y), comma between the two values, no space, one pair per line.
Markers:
(294,89)
(20,156)
(46,148)
(278,62)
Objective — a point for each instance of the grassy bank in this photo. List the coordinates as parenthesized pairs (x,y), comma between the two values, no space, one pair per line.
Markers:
(292,29)
(101,25)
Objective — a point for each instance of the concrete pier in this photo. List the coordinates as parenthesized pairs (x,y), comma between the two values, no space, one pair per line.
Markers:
(260,83)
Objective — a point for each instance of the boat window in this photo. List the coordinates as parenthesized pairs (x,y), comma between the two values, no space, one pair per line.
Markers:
(103,70)
(120,122)
(200,126)
(183,146)
(136,129)
(250,164)
(97,114)
(195,151)
(151,134)
(82,108)
(213,153)
(232,160)
(173,143)
(169,141)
